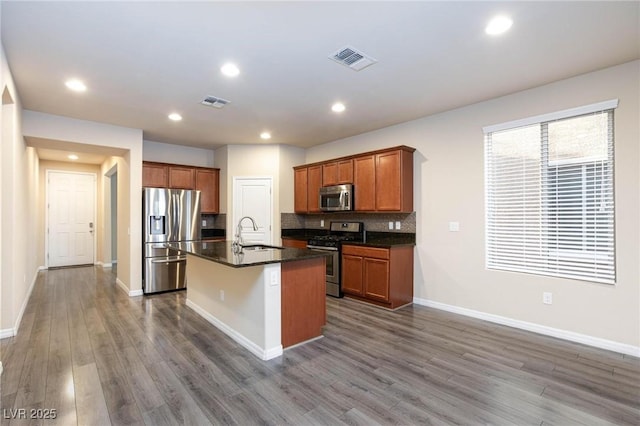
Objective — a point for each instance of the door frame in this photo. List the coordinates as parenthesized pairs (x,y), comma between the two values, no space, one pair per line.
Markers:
(46,213)
(234,212)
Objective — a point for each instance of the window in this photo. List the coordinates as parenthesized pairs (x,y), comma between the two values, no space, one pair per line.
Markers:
(549,194)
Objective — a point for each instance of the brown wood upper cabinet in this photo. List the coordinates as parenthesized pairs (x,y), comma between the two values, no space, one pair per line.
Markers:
(337,172)
(155,175)
(182,177)
(300,178)
(364,183)
(175,176)
(394,181)
(382,181)
(208,183)
(307,182)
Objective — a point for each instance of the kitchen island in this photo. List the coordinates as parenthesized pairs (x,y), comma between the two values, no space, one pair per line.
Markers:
(265,298)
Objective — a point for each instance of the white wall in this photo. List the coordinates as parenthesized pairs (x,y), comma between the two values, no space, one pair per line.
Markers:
(18,195)
(449,186)
(118,139)
(290,156)
(177,154)
(275,161)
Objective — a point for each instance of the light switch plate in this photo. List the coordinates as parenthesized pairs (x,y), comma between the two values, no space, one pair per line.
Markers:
(454,226)
(390,225)
(204,222)
(398,225)
(321,223)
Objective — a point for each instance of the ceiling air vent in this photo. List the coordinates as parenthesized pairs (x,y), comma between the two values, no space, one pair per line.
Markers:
(212,101)
(352,58)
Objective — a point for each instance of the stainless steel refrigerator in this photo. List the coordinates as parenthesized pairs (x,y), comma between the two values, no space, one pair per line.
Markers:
(169,215)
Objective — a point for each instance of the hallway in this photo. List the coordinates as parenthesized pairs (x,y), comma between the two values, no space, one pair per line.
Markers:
(98,357)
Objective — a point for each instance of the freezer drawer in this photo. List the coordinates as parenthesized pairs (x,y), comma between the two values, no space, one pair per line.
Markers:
(164,274)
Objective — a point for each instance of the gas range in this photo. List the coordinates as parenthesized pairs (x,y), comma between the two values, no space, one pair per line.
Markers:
(339,232)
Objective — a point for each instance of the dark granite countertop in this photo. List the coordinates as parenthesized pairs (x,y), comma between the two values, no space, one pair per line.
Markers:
(221,252)
(372,239)
(387,239)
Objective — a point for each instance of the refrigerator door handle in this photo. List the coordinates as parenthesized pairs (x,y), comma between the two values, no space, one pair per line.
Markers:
(180,259)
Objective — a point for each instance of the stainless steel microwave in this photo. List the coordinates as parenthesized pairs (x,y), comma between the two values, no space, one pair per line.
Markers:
(336,198)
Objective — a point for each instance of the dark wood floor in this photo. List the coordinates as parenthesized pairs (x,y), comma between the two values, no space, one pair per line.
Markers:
(98,357)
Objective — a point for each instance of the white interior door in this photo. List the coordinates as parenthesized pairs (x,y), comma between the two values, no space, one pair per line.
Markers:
(71,218)
(252,197)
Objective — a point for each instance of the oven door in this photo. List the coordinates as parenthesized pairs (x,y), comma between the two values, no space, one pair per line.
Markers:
(333,270)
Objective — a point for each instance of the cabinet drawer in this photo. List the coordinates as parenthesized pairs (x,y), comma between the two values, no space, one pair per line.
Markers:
(373,252)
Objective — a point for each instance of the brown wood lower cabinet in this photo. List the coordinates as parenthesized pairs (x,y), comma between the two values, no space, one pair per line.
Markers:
(383,276)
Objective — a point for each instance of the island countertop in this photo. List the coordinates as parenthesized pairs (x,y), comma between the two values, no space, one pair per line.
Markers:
(221,252)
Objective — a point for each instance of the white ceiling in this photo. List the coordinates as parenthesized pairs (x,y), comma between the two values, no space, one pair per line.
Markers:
(143,60)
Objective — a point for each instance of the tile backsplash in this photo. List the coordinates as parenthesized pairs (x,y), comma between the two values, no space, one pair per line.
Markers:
(376,222)
(214,221)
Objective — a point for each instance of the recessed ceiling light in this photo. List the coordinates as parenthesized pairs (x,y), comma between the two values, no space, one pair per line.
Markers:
(498,25)
(265,135)
(76,85)
(338,107)
(72,157)
(175,116)
(230,70)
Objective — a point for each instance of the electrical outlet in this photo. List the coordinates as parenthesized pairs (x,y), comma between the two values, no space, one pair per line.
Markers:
(204,222)
(222,295)
(390,225)
(321,223)
(547,298)
(398,225)
(274,278)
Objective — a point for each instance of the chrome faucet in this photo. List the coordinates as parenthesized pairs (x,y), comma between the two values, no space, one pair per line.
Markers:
(237,240)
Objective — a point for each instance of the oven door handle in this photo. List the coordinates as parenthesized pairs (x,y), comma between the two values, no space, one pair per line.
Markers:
(322,248)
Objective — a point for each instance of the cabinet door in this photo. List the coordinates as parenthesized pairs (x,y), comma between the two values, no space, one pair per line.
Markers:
(364,182)
(300,190)
(330,174)
(293,243)
(155,175)
(352,274)
(345,171)
(208,183)
(376,279)
(181,177)
(314,183)
(388,181)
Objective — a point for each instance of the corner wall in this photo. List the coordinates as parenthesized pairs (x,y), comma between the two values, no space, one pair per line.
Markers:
(117,139)
(18,211)
(450,268)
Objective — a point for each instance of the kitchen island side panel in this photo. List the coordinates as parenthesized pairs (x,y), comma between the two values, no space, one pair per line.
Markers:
(303,300)
(244,303)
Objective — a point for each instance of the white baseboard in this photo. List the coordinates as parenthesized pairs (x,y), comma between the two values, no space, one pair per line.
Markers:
(10,332)
(122,286)
(536,328)
(263,354)
(103,265)
(130,293)
(1,368)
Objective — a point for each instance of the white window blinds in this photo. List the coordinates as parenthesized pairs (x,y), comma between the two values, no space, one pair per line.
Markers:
(549,195)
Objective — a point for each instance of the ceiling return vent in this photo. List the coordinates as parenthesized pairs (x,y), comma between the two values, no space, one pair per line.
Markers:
(352,58)
(212,101)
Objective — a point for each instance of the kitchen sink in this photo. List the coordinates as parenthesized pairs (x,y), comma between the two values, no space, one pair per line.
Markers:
(260,247)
